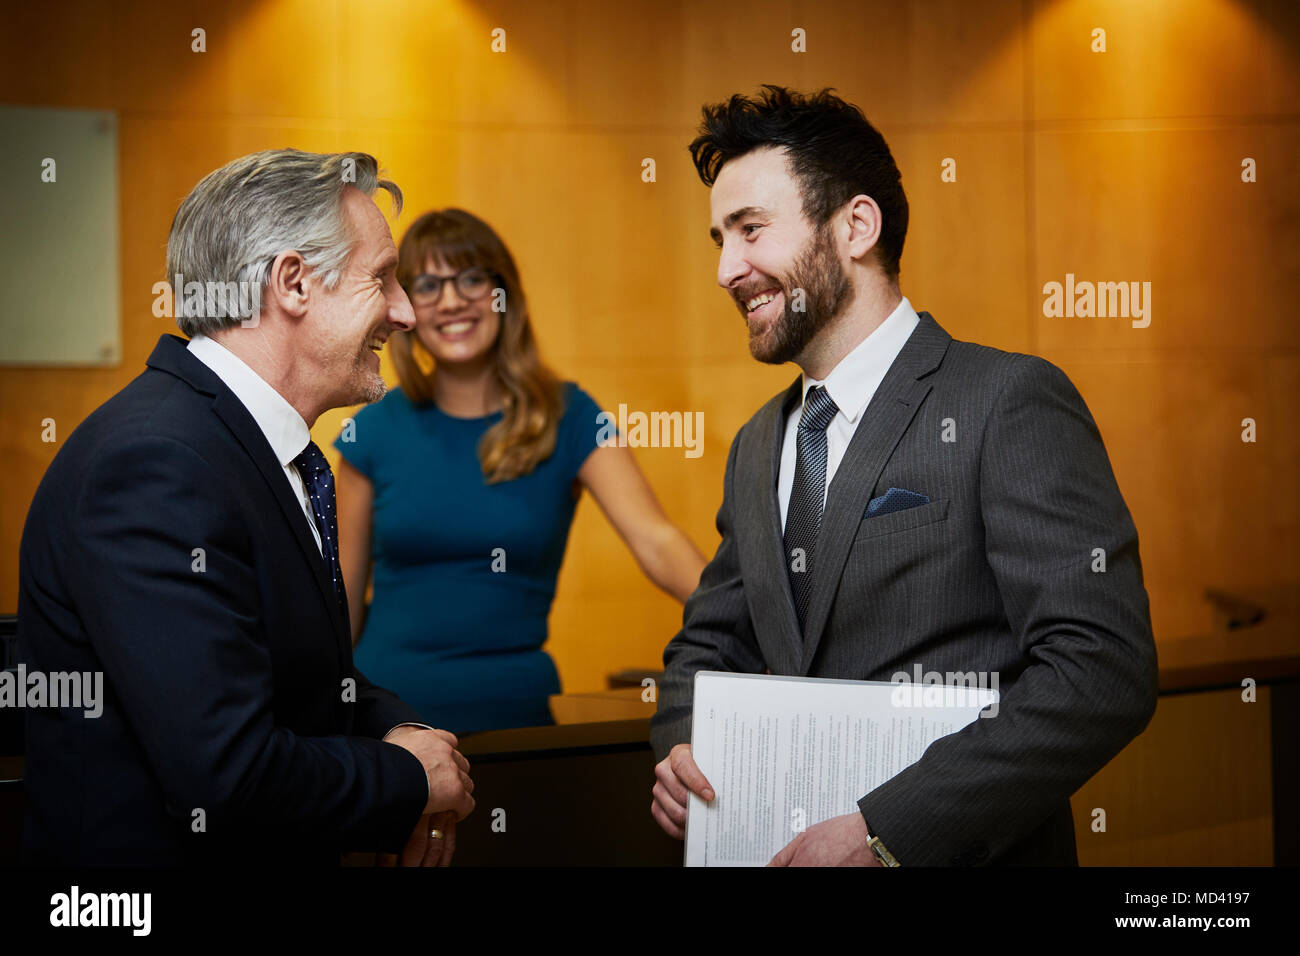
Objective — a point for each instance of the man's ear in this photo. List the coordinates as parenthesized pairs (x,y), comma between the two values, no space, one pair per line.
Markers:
(865,222)
(288,284)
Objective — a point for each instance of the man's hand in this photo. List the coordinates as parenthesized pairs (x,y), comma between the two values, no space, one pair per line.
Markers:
(445,767)
(676,775)
(839,841)
(423,849)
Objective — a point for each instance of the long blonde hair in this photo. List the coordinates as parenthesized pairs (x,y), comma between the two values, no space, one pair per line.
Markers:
(532,399)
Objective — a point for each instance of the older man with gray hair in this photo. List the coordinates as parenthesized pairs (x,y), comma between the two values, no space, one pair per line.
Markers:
(183,543)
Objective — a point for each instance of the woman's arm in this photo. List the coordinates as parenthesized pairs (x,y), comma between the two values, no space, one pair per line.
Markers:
(662,550)
(355,496)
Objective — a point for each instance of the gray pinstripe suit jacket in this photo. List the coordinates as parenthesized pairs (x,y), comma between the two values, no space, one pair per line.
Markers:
(994,574)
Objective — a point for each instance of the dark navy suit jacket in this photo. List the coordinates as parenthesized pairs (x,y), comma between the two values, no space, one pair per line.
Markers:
(165,548)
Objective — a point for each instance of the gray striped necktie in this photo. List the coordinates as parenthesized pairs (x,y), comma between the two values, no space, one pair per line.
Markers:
(804,513)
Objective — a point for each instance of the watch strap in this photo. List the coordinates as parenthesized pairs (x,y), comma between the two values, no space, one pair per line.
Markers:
(882,852)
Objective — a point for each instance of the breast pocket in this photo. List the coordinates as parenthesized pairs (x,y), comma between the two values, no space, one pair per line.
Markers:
(904,520)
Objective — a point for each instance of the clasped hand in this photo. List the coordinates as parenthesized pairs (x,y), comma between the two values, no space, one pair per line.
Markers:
(433,840)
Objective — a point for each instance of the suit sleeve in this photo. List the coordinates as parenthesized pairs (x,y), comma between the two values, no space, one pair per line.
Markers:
(1089,684)
(178,632)
(717,633)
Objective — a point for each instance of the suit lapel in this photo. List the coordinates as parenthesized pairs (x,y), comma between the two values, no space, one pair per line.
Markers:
(232,411)
(886,418)
(172,356)
(761,489)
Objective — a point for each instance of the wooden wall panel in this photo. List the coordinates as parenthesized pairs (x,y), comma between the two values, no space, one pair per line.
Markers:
(1169,207)
(1164,59)
(1206,504)
(972,228)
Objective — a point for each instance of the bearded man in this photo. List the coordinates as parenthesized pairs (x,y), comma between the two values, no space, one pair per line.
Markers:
(909,502)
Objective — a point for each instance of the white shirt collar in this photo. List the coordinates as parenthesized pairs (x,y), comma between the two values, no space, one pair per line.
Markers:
(855,379)
(284,428)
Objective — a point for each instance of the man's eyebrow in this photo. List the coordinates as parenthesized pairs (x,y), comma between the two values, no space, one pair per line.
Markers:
(730,219)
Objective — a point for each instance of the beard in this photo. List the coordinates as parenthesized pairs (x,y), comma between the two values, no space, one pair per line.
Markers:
(370,386)
(817,271)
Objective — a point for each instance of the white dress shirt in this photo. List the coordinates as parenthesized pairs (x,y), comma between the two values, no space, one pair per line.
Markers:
(280,422)
(851,384)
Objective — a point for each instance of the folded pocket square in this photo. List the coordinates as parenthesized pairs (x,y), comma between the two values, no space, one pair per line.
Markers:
(895,499)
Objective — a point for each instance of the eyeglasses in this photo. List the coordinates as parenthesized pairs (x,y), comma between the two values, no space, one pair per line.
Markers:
(471,284)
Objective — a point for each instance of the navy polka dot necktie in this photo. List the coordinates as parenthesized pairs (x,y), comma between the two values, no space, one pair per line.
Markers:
(804,513)
(318,478)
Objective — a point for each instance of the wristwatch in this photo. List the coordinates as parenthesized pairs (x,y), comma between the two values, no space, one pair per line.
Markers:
(882,852)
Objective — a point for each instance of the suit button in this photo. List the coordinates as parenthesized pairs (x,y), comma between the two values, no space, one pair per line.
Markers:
(981,851)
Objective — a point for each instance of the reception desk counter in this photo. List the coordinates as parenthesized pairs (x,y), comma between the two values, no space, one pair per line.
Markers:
(1214,771)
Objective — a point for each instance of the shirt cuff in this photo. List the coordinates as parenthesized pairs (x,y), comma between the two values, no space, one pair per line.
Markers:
(409,723)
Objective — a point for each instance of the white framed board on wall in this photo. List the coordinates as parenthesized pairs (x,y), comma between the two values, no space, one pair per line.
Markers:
(59,276)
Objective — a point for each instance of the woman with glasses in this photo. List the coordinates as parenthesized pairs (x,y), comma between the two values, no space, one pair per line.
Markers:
(457,491)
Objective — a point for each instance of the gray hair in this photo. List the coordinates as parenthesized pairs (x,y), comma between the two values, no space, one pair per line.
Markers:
(232,225)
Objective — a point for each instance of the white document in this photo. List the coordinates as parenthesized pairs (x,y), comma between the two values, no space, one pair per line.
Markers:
(784,753)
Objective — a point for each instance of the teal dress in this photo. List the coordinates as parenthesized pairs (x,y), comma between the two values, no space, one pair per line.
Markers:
(464,571)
